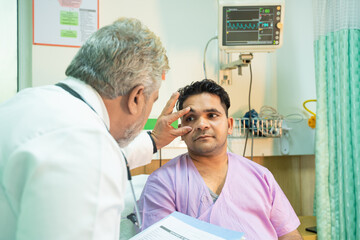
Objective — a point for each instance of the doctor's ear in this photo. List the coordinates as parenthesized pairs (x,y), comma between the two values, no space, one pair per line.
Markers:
(136,99)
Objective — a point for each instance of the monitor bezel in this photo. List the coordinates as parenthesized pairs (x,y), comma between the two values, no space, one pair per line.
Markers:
(249,48)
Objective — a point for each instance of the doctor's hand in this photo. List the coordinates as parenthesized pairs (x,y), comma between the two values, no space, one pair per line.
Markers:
(163,132)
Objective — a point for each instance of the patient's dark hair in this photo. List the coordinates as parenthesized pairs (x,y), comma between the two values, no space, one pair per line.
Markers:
(203,86)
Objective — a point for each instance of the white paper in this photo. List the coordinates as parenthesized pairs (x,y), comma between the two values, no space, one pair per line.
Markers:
(64,22)
(174,229)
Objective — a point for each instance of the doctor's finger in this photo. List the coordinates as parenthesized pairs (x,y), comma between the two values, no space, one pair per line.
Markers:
(181,131)
(176,115)
(170,104)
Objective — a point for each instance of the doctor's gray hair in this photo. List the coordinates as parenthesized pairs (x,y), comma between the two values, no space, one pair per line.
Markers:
(119,57)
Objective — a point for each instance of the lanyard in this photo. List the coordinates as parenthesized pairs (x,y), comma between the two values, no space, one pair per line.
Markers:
(77,95)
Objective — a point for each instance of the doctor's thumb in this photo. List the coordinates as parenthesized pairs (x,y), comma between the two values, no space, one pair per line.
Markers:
(182,130)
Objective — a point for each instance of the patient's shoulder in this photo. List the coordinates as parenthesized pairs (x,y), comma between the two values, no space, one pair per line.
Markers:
(247,165)
(179,163)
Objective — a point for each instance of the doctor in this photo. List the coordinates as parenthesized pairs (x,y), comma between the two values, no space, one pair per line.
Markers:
(62,172)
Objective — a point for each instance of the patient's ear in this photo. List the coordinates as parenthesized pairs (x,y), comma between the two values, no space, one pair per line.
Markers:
(230,125)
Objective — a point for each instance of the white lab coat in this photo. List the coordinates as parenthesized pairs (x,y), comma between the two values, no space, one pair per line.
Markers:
(62,174)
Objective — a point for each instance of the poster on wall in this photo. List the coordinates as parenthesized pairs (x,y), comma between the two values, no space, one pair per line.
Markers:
(66,23)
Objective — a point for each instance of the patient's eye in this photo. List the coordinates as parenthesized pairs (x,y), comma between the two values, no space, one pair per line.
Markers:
(213,115)
(189,119)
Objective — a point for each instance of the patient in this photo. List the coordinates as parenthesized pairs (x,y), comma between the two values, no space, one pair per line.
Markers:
(213,185)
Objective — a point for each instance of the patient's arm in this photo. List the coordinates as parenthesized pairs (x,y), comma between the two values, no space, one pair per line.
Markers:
(156,201)
(294,235)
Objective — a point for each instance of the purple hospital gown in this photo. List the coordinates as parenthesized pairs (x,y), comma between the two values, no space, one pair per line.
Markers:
(251,201)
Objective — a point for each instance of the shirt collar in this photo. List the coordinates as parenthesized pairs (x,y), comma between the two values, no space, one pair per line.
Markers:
(91,96)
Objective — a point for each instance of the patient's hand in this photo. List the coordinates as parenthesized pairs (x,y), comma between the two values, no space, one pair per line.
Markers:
(163,132)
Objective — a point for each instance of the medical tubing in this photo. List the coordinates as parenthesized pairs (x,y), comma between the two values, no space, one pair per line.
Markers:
(160,157)
(267,112)
(204,62)
(310,100)
(133,192)
(252,126)
(247,133)
(136,206)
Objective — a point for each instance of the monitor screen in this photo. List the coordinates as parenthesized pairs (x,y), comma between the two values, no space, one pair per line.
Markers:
(251,25)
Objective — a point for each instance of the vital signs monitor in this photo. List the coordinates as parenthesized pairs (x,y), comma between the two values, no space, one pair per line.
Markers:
(252,26)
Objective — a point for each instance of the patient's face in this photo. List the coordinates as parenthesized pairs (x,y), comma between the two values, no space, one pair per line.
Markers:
(207,117)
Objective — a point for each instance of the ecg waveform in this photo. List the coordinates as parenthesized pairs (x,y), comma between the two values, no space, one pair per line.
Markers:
(243,26)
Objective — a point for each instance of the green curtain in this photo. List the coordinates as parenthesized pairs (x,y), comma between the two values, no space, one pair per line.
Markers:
(337,195)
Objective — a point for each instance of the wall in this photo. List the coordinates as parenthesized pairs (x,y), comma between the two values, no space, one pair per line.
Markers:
(8,49)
